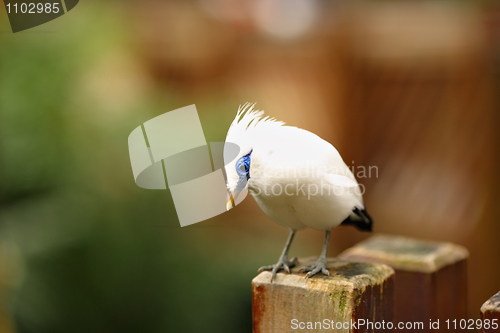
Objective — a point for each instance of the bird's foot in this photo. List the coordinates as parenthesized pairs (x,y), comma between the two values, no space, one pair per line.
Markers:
(320,266)
(283,263)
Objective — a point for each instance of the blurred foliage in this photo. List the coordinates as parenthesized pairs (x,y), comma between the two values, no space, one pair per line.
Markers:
(85,249)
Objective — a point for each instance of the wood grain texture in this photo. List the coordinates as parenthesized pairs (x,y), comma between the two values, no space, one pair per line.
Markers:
(491,310)
(431,277)
(352,291)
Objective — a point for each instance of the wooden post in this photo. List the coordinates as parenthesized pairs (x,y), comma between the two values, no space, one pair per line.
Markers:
(490,314)
(430,277)
(353,293)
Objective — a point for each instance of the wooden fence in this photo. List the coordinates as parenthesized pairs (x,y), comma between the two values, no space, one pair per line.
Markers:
(383,284)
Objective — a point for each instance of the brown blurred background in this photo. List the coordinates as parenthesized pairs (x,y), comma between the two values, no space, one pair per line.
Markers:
(409,87)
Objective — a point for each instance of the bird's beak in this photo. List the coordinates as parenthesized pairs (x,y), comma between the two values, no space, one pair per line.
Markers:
(232,196)
(229,200)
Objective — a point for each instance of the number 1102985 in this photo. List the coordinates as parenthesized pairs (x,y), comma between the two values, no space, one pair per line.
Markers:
(472,324)
(33,8)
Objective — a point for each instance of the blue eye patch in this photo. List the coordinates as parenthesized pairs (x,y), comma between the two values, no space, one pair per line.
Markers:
(243,166)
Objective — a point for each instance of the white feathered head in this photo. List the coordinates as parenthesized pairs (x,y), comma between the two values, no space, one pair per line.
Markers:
(250,131)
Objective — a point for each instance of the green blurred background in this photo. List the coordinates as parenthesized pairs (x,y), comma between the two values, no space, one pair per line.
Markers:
(409,87)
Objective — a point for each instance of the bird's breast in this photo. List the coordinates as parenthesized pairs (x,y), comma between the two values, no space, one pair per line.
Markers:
(300,202)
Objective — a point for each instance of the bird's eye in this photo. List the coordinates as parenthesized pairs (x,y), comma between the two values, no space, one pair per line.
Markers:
(243,166)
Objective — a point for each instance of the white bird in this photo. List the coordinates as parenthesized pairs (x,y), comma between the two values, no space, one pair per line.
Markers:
(298,179)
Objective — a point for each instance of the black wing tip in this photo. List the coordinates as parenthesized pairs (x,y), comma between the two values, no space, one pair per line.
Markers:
(364,224)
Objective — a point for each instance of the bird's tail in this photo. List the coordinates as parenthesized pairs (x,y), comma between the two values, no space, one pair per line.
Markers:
(360,219)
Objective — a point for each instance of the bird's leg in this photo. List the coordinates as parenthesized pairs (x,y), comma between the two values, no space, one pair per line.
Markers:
(320,265)
(283,262)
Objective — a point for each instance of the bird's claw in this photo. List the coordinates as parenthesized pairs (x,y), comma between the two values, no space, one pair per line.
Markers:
(283,263)
(320,266)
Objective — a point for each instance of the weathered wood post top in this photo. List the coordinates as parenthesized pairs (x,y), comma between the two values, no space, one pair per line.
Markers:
(354,293)
(490,313)
(405,253)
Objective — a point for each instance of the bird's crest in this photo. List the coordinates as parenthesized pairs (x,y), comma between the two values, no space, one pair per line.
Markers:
(248,119)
